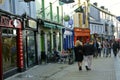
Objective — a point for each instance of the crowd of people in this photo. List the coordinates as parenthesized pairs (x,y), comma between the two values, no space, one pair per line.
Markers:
(93,49)
(87,51)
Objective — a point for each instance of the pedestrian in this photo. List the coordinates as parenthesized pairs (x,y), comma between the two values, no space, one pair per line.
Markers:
(88,50)
(78,49)
(105,48)
(96,45)
(99,48)
(109,48)
(56,55)
(115,48)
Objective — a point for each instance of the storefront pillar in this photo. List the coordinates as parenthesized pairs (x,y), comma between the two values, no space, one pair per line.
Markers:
(20,50)
(38,47)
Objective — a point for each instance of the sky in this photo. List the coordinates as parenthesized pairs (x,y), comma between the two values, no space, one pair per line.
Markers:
(112,5)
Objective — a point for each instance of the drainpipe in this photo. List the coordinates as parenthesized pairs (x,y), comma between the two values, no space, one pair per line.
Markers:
(58,14)
(51,18)
(51,12)
(43,11)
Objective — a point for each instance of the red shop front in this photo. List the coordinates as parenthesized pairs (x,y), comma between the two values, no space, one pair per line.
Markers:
(11,49)
(81,34)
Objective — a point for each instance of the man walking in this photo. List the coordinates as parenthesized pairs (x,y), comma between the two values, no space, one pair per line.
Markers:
(88,50)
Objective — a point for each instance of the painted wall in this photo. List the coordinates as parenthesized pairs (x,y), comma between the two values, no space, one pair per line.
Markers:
(19,7)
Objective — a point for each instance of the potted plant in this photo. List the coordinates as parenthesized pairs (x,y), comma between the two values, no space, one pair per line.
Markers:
(66,18)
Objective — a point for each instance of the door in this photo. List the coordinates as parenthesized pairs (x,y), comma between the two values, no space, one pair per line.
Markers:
(30,48)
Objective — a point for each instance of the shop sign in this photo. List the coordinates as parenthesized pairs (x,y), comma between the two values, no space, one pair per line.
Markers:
(49,25)
(67,32)
(5,21)
(32,24)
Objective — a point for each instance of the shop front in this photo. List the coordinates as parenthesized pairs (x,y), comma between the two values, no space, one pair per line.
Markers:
(50,38)
(11,50)
(81,34)
(29,42)
(68,41)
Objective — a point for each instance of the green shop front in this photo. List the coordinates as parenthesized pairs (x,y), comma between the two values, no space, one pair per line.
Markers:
(51,37)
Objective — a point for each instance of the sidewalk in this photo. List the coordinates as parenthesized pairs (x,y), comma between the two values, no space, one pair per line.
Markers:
(102,69)
(39,72)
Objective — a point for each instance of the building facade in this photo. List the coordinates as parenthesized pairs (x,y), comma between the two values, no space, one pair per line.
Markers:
(101,23)
(50,32)
(15,38)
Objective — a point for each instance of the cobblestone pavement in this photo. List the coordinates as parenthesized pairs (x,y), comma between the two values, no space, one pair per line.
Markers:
(102,69)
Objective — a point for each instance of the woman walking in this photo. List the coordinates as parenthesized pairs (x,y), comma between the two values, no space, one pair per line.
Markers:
(78,49)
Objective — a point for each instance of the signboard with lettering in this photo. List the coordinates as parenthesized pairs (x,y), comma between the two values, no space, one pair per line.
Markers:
(31,24)
(5,21)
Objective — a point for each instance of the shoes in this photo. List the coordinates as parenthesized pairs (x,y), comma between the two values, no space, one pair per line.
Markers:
(87,68)
(80,68)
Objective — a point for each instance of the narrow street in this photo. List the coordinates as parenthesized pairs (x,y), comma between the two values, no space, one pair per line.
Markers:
(102,69)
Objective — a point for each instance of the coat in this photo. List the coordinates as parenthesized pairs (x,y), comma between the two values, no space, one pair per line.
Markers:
(78,53)
(88,49)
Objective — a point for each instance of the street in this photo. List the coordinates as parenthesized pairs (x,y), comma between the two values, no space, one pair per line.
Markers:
(102,69)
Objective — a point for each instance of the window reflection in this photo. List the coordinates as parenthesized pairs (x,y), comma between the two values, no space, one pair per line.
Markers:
(31,58)
(9,49)
(31,50)
(9,52)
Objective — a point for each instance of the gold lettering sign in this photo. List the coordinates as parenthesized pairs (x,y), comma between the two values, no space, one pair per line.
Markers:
(32,24)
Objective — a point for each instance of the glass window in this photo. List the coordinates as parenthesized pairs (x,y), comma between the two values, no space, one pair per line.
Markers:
(9,49)
(31,48)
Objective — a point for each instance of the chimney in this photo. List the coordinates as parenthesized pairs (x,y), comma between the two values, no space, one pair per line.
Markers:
(102,7)
(95,3)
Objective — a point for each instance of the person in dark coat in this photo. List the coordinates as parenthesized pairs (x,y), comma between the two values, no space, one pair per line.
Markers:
(115,47)
(88,50)
(96,45)
(78,49)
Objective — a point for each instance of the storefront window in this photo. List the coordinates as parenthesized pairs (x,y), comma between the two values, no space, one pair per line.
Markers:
(31,48)
(9,49)
(59,44)
(49,42)
(54,40)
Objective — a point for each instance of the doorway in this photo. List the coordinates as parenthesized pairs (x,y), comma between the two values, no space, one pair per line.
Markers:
(29,44)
